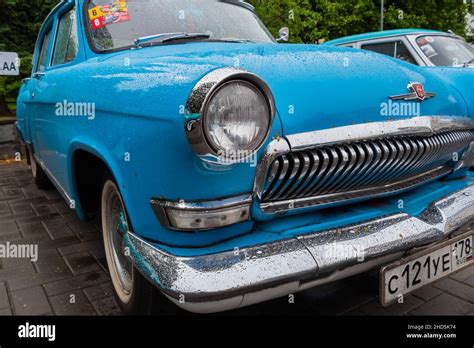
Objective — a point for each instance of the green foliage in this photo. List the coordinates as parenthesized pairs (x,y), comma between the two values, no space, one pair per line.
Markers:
(20,21)
(296,14)
(311,20)
(431,14)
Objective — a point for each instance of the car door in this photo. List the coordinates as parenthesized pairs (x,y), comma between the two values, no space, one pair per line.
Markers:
(51,95)
(39,124)
(61,94)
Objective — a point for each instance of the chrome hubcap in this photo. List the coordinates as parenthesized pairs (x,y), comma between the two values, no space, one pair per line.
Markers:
(116,229)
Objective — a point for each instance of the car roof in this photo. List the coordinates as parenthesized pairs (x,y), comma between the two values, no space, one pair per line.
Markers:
(382,34)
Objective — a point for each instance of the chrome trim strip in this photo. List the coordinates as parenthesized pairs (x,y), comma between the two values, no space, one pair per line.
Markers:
(199,98)
(56,183)
(276,148)
(204,205)
(423,125)
(159,207)
(412,97)
(227,280)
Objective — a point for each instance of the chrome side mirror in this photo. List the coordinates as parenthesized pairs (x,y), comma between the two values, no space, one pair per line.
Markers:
(284,34)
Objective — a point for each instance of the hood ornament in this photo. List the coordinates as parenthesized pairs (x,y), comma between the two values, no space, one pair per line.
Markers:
(417,93)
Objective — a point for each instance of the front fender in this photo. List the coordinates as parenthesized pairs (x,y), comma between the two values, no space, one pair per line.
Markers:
(462,79)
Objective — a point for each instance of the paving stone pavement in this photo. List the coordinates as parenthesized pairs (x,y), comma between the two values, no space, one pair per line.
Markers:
(70,276)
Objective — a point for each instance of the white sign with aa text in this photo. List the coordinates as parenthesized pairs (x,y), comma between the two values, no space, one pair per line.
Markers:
(9,64)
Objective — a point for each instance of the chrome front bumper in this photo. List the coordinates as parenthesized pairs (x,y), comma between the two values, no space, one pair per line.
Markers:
(233,279)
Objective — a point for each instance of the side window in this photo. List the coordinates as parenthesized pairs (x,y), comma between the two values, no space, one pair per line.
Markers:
(395,49)
(43,55)
(65,49)
(402,53)
(387,48)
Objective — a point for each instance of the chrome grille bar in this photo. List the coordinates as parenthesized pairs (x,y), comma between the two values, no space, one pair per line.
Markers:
(338,169)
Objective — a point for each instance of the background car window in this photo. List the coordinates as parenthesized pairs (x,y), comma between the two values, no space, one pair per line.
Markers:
(43,55)
(395,49)
(387,48)
(446,50)
(66,43)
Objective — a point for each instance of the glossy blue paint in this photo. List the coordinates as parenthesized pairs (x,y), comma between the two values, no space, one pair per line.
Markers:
(138,128)
(461,79)
(380,35)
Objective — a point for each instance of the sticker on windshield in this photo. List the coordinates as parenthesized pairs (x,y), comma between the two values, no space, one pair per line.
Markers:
(429,39)
(429,51)
(422,42)
(104,15)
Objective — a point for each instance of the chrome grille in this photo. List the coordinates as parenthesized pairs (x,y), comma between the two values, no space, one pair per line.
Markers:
(370,166)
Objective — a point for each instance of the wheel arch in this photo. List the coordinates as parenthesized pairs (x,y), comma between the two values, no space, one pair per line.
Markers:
(87,167)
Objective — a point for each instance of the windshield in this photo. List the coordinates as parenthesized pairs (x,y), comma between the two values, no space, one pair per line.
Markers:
(116,24)
(445,50)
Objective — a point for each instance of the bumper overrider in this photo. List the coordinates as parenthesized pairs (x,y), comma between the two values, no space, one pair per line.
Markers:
(238,278)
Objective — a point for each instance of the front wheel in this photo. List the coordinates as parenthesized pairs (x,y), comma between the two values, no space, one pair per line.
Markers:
(135,295)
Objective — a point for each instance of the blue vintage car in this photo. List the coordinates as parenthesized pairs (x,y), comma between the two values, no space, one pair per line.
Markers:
(228,169)
(417,46)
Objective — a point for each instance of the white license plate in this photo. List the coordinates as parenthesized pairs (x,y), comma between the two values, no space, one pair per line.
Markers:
(425,267)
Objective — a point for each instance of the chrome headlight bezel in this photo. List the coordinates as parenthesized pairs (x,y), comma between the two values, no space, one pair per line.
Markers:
(201,96)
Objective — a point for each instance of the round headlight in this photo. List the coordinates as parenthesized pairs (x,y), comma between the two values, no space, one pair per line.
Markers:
(237,117)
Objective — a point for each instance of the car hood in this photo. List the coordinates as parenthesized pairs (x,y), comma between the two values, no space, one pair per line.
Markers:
(315,87)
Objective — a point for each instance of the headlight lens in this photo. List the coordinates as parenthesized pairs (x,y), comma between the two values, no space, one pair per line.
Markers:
(237,118)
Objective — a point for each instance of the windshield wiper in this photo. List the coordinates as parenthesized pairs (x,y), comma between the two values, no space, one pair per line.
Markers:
(167,37)
(193,36)
(469,62)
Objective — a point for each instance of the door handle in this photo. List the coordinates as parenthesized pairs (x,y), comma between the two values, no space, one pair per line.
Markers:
(38,75)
